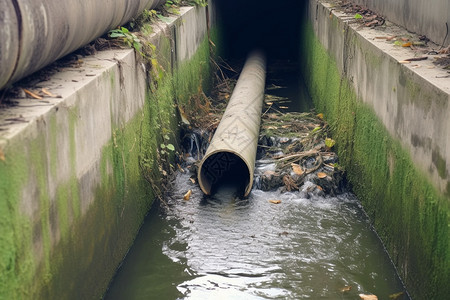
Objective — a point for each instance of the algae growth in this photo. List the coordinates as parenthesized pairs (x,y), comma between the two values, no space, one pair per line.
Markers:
(409,214)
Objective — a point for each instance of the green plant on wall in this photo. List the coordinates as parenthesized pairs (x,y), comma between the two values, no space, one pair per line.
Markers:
(171,3)
(199,2)
(127,38)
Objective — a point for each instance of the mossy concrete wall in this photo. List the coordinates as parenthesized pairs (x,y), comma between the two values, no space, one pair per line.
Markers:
(391,126)
(79,173)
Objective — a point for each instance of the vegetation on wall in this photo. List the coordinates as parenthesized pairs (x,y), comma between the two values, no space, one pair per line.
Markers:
(74,234)
(409,214)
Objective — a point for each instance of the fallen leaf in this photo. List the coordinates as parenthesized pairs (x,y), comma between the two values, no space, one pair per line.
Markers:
(31,94)
(368,297)
(320,116)
(184,117)
(297,169)
(404,39)
(187,195)
(346,288)
(396,295)
(417,58)
(275,201)
(319,187)
(374,22)
(407,44)
(391,38)
(321,175)
(45,91)
(192,180)
(329,143)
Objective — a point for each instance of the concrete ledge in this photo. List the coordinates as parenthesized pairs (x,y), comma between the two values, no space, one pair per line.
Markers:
(412,100)
(390,122)
(71,185)
(422,17)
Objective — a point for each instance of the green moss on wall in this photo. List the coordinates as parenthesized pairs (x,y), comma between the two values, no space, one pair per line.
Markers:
(64,244)
(409,214)
(16,262)
(194,75)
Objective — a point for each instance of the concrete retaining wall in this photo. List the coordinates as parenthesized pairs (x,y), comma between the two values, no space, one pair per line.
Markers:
(73,168)
(422,17)
(391,124)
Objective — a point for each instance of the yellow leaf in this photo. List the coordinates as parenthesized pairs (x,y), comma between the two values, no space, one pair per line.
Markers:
(275,201)
(320,116)
(329,142)
(346,288)
(31,94)
(187,195)
(184,117)
(45,91)
(407,44)
(368,297)
(297,169)
(396,296)
(321,175)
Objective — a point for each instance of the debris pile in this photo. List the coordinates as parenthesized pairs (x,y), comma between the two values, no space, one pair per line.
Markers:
(295,155)
(363,14)
(294,148)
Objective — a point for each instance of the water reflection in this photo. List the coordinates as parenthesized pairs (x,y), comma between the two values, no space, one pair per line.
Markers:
(227,248)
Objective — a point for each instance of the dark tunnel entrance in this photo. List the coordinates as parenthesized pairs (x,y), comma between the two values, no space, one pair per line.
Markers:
(273,27)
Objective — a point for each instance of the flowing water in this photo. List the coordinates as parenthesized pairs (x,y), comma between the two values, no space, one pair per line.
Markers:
(223,247)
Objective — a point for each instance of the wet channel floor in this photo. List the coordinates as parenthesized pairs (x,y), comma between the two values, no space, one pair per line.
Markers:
(226,248)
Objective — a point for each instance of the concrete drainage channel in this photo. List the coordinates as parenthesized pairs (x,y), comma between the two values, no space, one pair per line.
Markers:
(279,243)
(72,161)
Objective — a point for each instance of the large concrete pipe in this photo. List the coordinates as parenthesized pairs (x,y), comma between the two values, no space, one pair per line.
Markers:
(232,151)
(35,33)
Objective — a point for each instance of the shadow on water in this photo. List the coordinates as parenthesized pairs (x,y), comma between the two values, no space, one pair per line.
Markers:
(284,82)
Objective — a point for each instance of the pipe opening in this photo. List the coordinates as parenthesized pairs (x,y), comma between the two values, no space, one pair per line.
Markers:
(224,169)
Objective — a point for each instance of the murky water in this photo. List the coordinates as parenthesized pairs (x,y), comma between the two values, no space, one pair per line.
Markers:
(253,249)
(223,247)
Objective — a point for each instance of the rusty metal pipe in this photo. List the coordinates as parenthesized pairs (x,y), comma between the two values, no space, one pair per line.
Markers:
(232,151)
